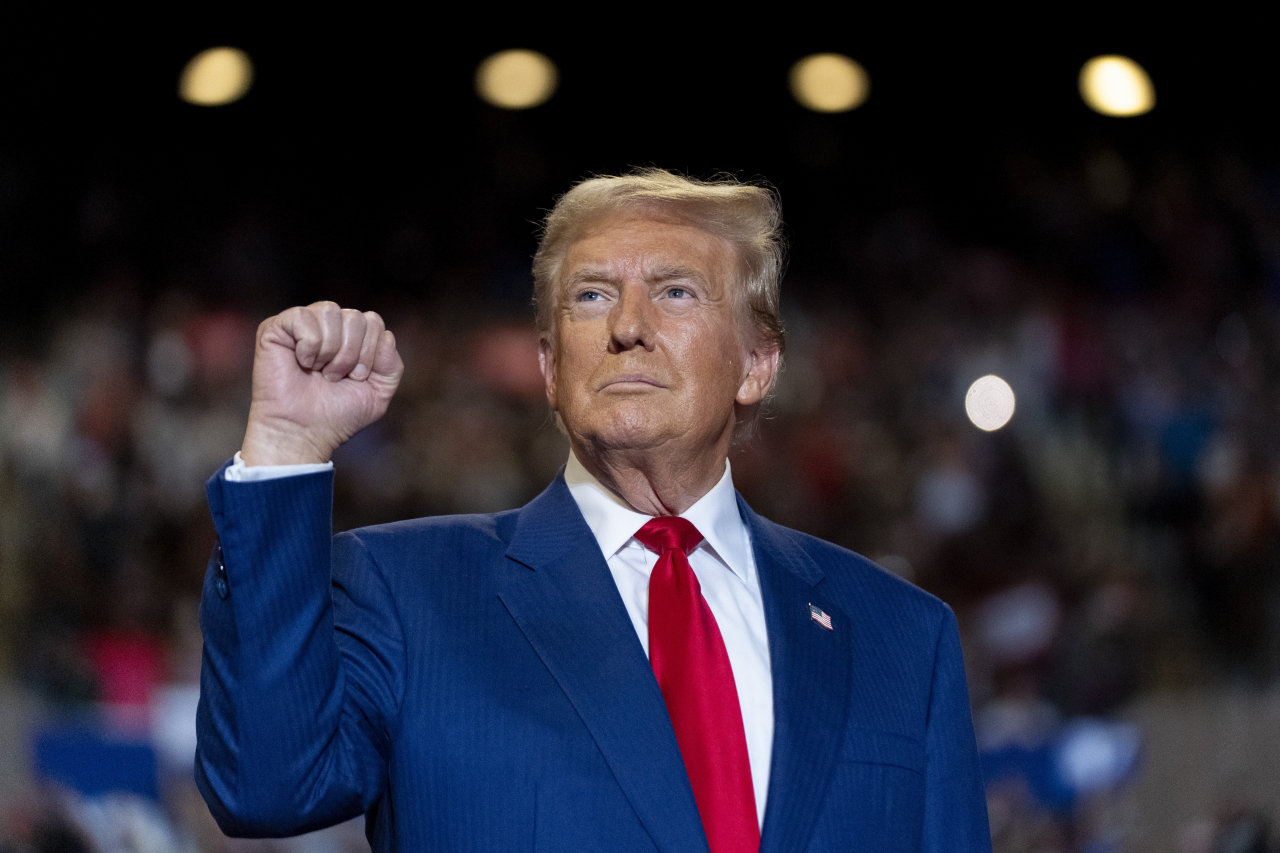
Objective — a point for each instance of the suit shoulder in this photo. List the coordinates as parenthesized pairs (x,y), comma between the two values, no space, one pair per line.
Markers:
(475,530)
(850,569)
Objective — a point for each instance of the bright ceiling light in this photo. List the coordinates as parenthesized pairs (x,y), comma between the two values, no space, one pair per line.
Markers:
(1116,86)
(829,83)
(989,403)
(516,79)
(217,76)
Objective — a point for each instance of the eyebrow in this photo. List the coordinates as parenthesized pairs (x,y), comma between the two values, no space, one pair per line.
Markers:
(661,272)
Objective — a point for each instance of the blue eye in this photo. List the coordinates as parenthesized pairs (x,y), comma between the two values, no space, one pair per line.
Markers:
(588,296)
(677,293)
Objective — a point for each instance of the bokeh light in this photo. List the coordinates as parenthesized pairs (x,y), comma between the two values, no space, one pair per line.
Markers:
(1116,86)
(516,79)
(217,76)
(989,403)
(829,83)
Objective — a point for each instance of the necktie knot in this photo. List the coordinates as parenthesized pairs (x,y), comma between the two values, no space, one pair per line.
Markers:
(668,533)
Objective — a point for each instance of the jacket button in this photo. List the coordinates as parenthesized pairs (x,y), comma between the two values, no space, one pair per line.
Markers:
(221,585)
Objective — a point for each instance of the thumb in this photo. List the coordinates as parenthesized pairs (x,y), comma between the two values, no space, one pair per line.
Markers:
(388,367)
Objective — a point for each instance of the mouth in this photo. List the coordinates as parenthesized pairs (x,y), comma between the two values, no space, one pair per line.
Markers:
(631,382)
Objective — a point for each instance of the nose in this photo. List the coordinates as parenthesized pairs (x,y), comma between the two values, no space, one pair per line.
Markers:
(632,320)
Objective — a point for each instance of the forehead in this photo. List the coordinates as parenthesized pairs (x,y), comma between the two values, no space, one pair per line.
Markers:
(647,245)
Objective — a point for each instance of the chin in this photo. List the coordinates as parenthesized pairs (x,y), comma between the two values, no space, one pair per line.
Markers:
(627,428)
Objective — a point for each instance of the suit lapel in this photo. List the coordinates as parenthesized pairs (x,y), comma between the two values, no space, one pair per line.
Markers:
(811,684)
(566,603)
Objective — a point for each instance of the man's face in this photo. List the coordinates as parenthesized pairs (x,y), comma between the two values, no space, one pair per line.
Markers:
(648,351)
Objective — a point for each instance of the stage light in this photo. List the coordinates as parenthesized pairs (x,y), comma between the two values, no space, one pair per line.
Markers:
(829,83)
(989,403)
(516,79)
(1116,86)
(217,76)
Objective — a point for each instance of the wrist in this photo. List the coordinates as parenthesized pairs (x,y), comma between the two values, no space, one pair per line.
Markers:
(267,445)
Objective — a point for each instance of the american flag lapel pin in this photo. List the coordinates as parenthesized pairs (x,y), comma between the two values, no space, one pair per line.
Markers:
(816,614)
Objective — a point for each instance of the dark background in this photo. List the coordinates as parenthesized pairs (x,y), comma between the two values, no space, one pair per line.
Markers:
(351,131)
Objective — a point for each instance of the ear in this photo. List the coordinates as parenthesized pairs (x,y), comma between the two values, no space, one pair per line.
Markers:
(762,369)
(547,364)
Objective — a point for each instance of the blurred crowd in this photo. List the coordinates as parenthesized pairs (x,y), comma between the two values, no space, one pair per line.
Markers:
(1117,539)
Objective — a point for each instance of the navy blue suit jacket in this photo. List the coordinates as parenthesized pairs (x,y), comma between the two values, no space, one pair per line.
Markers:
(474,683)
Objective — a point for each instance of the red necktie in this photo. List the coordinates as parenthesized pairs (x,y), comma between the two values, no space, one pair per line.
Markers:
(692,666)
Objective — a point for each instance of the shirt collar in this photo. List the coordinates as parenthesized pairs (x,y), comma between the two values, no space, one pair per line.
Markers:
(613,522)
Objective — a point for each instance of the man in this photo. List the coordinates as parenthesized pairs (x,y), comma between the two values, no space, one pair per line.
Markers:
(633,661)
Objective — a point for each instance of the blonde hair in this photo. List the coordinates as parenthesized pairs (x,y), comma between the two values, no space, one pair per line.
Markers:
(747,217)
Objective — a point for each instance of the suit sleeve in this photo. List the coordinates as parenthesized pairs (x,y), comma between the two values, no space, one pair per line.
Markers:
(303,666)
(955,802)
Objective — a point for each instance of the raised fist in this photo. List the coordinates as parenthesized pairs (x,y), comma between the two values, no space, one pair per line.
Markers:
(320,374)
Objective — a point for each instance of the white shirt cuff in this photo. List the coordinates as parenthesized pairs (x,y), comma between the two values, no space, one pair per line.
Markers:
(238,472)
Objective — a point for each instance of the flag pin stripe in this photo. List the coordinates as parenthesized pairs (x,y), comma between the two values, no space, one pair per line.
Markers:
(816,614)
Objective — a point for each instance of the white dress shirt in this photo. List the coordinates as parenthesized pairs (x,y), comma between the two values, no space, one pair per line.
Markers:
(726,571)
(723,563)
(238,472)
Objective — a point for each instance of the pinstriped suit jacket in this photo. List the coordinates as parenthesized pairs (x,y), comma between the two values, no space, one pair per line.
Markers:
(474,683)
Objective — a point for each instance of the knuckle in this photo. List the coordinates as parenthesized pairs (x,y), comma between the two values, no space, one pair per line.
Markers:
(327,311)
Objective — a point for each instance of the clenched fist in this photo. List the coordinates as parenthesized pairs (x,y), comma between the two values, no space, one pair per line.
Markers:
(320,375)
